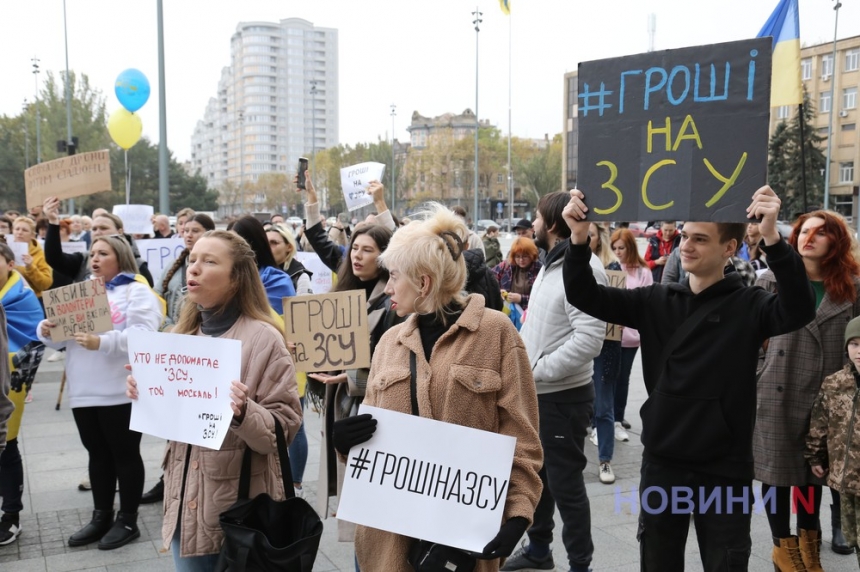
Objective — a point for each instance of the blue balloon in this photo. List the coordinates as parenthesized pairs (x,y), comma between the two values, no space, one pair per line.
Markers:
(132,89)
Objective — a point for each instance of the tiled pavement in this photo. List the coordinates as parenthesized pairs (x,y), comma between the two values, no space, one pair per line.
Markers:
(55,462)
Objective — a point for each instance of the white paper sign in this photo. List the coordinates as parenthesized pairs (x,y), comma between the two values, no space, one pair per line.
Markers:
(409,469)
(183,383)
(355,180)
(136,219)
(321,280)
(73,246)
(19,248)
(160,253)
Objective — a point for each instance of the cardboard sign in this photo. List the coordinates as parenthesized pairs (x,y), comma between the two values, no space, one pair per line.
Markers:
(68,177)
(160,253)
(79,308)
(329,330)
(615,279)
(676,134)
(409,468)
(183,385)
(136,219)
(74,246)
(355,180)
(321,281)
(18,248)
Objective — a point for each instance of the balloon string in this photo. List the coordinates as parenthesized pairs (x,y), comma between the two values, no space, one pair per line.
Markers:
(127,180)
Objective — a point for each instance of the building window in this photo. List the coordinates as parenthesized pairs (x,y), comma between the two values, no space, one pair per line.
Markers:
(824,102)
(849,98)
(852,60)
(806,69)
(782,112)
(827,65)
(500,178)
(846,172)
(849,127)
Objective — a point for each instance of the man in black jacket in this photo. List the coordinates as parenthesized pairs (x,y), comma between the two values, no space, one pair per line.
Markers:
(698,420)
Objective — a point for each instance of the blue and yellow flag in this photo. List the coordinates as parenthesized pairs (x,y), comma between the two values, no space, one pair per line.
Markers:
(506,6)
(784,27)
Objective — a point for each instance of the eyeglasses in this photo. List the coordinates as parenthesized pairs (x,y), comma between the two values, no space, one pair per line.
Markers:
(522,256)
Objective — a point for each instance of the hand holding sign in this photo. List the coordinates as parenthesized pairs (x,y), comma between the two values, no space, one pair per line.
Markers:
(356,181)
(574,216)
(765,206)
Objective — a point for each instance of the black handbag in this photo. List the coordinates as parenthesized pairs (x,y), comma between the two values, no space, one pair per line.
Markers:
(426,556)
(265,535)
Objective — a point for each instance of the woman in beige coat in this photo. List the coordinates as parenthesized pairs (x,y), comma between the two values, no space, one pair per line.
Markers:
(228,301)
(472,370)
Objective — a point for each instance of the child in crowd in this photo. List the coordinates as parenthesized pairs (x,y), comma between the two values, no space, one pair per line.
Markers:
(832,444)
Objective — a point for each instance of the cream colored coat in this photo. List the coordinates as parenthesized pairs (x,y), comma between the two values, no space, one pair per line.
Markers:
(478,376)
(212,483)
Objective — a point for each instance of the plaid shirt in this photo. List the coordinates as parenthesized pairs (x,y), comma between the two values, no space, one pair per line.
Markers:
(505,275)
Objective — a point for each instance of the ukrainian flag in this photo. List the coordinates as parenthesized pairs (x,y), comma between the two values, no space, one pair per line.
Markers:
(784,27)
(506,6)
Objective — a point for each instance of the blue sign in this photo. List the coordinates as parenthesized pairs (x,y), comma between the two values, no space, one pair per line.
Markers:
(500,207)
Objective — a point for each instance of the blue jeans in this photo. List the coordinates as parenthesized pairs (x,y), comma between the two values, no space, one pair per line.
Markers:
(299,451)
(623,385)
(205,563)
(606,369)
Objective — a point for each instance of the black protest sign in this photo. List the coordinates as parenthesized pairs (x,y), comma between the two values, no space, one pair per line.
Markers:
(330,331)
(677,134)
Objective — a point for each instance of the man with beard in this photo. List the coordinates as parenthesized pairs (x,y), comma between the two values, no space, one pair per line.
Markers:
(562,343)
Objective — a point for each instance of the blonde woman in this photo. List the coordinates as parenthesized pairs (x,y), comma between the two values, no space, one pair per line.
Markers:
(35,269)
(283,245)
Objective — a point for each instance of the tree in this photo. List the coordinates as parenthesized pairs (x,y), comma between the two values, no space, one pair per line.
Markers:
(786,170)
(539,170)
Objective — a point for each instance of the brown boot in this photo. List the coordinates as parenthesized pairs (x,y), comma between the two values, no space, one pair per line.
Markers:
(786,556)
(810,548)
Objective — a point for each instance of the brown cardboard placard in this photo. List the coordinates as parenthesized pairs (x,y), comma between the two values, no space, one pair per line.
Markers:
(81,307)
(68,177)
(330,331)
(615,279)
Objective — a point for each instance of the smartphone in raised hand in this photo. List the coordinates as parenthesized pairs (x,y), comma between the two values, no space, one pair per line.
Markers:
(303,169)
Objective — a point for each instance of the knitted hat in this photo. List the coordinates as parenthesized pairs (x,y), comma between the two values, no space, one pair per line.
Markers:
(852,330)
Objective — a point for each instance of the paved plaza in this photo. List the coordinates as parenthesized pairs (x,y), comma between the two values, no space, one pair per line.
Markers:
(55,461)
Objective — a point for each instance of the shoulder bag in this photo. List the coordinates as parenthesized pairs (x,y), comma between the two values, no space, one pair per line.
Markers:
(265,535)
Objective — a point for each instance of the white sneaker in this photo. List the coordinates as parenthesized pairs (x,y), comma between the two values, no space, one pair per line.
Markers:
(56,356)
(620,433)
(300,492)
(593,436)
(607,477)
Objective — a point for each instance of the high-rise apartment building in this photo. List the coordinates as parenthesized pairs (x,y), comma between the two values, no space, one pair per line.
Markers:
(276,102)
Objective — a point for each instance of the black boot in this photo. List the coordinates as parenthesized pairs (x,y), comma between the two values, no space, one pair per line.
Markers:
(838,544)
(123,531)
(97,527)
(155,494)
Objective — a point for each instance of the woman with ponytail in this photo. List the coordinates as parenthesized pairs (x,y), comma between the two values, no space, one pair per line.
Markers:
(171,287)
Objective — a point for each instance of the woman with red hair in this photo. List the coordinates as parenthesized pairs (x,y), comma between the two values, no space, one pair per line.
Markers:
(794,366)
(517,274)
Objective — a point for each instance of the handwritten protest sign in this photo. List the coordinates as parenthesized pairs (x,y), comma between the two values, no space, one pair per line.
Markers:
(329,330)
(160,253)
(355,180)
(18,248)
(136,219)
(183,383)
(615,279)
(74,246)
(68,177)
(79,308)
(409,468)
(321,281)
(676,134)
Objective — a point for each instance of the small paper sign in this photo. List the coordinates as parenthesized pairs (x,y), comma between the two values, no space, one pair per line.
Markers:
(329,330)
(74,246)
(136,219)
(79,308)
(183,385)
(19,248)
(355,180)
(409,468)
(615,279)
(321,280)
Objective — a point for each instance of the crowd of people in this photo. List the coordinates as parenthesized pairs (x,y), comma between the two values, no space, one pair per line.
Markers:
(750,346)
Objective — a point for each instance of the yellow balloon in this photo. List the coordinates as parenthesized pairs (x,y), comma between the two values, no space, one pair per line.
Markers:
(125,128)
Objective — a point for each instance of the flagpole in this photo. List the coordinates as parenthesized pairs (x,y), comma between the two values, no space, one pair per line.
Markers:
(832,105)
(802,159)
(510,177)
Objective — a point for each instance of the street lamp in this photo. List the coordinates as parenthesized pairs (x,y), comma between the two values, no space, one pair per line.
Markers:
(393,164)
(832,105)
(313,129)
(477,22)
(26,136)
(38,115)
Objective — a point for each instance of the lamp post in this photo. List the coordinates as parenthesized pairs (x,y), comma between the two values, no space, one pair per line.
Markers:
(26,136)
(313,130)
(832,105)
(71,147)
(393,160)
(38,114)
(477,22)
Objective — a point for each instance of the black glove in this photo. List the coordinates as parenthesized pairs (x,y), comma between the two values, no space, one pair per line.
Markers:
(506,540)
(352,431)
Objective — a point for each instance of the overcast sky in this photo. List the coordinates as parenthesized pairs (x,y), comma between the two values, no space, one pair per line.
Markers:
(416,54)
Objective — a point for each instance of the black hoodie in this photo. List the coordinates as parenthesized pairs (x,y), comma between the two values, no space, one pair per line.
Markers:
(702,414)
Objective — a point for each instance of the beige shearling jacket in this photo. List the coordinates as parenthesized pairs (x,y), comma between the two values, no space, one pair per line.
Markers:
(478,376)
(212,481)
